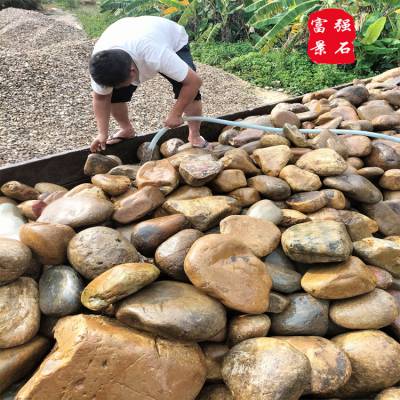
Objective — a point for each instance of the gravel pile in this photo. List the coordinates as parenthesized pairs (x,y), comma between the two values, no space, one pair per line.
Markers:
(45,100)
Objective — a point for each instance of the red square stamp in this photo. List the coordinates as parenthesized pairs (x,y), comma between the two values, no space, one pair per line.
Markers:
(332,35)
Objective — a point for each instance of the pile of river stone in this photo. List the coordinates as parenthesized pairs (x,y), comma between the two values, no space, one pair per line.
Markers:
(267,268)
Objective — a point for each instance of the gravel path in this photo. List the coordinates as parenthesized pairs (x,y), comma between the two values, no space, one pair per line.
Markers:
(45,100)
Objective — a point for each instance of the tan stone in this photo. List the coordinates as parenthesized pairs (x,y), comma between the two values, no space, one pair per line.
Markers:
(374,360)
(327,139)
(386,218)
(229,180)
(383,122)
(262,236)
(239,159)
(138,204)
(389,394)
(245,327)
(199,171)
(266,368)
(292,217)
(300,180)
(148,235)
(384,279)
(174,310)
(335,199)
(323,162)
(117,283)
(19,191)
(177,158)
(214,354)
(355,94)
(272,159)
(31,209)
(271,139)
(373,109)
(380,252)
(18,362)
(307,202)
(129,170)
(47,187)
(48,242)
(330,367)
(19,312)
(390,179)
(383,156)
(91,353)
(270,187)
(358,125)
(373,310)
(339,281)
(355,162)
(205,212)
(370,172)
(245,196)
(114,185)
(99,164)
(317,241)
(170,147)
(77,211)
(160,174)
(84,190)
(246,136)
(187,192)
(226,269)
(280,118)
(15,258)
(95,250)
(170,255)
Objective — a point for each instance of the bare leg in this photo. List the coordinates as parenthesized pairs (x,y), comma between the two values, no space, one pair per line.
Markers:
(120,113)
(194,109)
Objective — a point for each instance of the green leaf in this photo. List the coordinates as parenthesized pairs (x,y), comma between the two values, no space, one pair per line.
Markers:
(285,21)
(256,5)
(374,31)
(266,11)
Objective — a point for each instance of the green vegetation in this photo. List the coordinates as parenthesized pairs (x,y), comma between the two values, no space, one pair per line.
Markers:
(94,23)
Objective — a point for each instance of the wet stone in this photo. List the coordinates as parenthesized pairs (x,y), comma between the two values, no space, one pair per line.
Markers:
(129,170)
(245,327)
(229,180)
(270,187)
(272,159)
(60,290)
(245,196)
(323,162)
(307,202)
(114,185)
(265,210)
(300,180)
(239,159)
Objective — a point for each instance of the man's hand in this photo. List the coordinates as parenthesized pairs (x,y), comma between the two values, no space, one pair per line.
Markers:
(173,121)
(98,144)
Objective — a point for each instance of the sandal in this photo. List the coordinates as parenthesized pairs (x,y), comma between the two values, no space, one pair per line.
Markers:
(114,138)
(204,145)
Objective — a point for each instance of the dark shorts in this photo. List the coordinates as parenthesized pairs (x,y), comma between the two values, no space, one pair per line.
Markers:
(124,94)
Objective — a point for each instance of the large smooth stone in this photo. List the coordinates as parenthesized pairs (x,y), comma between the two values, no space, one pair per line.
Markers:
(19,191)
(330,367)
(339,281)
(327,139)
(84,190)
(374,360)
(384,122)
(94,358)
(383,156)
(373,310)
(246,136)
(205,212)
(305,315)
(307,202)
(270,139)
(11,221)
(170,255)
(149,234)
(187,192)
(390,179)
(356,94)
(272,159)
(227,134)
(184,154)
(215,392)
(199,171)
(19,312)
(95,250)
(387,219)
(389,394)
(335,199)
(160,174)
(262,236)
(170,147)
(226,269)
(15,259)
(214,354)
(60,289)
(380,252)
(114,185)
(98,164)
(18,362)
(323,162)
(229,180)
(296,137)
(129,170)
(239,159)
(138,204)
(284,277)
(245,196)
(47,187)
(77,212)
(266,369)
(317,242)
(358,146)
(270,187)
(356,187)
(48,242)
(384,279)
(265,210)
(174,310)
(117,283)
(373,109)
(300,180)
(245,327)
(282,117)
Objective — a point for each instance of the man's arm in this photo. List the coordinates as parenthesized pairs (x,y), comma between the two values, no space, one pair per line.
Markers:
(102,112)
(190,86)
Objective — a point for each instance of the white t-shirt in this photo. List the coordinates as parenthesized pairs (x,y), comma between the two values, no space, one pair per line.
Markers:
(152,42)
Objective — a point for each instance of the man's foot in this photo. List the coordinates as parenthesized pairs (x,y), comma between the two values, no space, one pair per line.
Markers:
(121,135)
(200,143)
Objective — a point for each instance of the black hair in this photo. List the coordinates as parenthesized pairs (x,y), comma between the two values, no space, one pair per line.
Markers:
(110,67)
